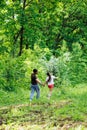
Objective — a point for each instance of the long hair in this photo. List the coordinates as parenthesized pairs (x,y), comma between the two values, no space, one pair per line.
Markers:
(48,74)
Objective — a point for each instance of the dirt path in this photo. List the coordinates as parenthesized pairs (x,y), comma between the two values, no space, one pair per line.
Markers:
(14,106)
(60,104)
(40,116)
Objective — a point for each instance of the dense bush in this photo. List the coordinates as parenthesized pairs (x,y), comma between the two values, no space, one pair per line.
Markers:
(69,67)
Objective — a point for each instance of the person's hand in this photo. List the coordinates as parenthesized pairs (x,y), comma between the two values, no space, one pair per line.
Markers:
(43,84)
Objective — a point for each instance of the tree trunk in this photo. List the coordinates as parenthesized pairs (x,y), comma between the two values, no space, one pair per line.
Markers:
(22,30)
(21,41)
(26,46)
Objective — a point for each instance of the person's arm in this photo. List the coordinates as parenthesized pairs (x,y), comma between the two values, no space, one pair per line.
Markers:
(55,77)
(38,81)
(46,82)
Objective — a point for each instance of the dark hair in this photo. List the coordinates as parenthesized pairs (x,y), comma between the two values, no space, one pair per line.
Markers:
(48,74)
(35,70)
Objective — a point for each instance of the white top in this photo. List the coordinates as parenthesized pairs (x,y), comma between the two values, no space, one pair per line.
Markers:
(51,81)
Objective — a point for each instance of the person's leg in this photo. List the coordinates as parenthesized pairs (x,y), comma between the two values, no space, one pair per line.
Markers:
(32,93)
(37,91)
(50,90)
(50,93)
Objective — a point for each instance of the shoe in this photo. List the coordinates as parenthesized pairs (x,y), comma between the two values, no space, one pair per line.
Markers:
(48,96)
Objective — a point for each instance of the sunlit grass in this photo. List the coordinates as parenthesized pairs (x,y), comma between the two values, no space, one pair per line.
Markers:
(67,106)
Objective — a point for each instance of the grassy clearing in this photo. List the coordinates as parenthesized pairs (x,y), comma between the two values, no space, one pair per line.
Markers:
(67,109)
(13,98)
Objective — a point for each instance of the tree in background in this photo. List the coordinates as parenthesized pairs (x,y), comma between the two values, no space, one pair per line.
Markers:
(56,28)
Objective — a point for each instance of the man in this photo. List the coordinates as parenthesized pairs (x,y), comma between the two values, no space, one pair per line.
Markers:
(34,85)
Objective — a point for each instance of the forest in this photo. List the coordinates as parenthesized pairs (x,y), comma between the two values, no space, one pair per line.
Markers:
(50,36)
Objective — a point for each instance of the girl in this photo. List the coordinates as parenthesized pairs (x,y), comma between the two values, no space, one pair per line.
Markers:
(50,82)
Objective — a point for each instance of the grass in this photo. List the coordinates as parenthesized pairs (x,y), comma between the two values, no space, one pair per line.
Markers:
(13,98)
(67,108)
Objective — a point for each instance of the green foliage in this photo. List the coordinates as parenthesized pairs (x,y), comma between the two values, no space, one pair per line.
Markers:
(77,65)
(70,68)
(55,40)
(46,23)
(50,36)
(12,73)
